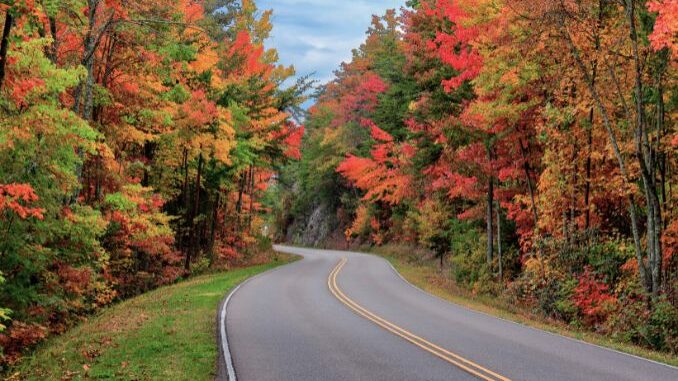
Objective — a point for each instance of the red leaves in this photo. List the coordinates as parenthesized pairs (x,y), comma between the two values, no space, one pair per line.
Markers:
(592,298)
(376,132)
(12,197)
(666,25)
(74,281)
(249,57)
(199,111)
(291,136)
(20,337)
(293,143)
(455,48)
(372,83)
(22,87)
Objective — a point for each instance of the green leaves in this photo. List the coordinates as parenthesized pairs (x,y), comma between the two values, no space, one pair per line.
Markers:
(179,52)
(178,94)
(120,202)
(51,7)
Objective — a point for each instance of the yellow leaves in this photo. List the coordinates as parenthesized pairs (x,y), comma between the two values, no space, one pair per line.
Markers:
(429,219)
(510,77)
(222,146)
(206,59)
(361,224)
(222,150)
(216,141)
(130,134)
(281,73)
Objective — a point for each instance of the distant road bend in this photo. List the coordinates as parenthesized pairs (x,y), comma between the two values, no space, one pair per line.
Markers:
(348,316)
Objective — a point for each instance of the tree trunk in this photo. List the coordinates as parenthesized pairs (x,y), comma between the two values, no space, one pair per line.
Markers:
(213,227)
(193,241)
(4,45)
(594,74)
(490,212)
(530,187)
(661,159)
(87,61)
(184,193)
(251,209)
(587,186)
(645,158)
(241,190)
(617,152)
(53,51)
(499,253)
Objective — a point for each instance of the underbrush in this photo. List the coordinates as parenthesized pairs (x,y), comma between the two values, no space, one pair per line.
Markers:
(165,334)
(590,302)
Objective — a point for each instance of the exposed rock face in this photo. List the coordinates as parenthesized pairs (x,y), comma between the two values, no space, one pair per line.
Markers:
(315,229)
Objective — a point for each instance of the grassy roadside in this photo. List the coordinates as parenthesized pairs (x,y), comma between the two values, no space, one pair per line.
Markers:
(166,334)
(428,277)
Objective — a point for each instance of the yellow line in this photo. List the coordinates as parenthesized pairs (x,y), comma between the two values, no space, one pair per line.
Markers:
(452,358)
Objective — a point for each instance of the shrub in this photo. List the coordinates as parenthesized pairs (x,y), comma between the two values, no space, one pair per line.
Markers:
(593,299)
(656,327)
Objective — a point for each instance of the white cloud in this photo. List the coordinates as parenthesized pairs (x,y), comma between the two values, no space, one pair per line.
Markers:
(316,36)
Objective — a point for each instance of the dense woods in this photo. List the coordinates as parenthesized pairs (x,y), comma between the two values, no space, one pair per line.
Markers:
(137,139)
(530,146)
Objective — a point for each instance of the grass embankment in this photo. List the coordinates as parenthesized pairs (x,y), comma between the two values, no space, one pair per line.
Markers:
(166,334)
(426,275)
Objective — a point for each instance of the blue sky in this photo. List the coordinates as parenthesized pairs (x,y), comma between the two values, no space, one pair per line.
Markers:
(317,35)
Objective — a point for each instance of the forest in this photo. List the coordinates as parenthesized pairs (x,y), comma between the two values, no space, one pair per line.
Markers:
(137,139)
(529,147)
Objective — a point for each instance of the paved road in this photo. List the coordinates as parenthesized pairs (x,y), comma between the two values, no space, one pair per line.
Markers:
(349,316)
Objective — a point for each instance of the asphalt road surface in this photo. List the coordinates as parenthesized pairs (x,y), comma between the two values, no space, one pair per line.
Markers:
(348,316)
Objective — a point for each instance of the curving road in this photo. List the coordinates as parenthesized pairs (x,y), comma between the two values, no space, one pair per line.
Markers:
(349,316)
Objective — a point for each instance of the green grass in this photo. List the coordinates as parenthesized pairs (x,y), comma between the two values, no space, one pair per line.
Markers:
(427,276)
(166,334)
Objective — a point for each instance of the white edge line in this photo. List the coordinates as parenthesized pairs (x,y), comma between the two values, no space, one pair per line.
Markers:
(222,322)
(518,323)
(481,312)
(224,341)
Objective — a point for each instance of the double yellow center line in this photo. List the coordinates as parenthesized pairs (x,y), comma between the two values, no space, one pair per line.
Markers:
(452,358)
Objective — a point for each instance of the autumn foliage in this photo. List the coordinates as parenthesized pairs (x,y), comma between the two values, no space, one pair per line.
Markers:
(529,145)
(136,141)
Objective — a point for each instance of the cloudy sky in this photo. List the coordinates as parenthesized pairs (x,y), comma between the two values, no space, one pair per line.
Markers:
(317,35)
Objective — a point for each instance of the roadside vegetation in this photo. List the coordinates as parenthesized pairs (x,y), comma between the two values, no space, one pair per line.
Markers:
(136,141)
(529,147)
(423,270)
(165,334)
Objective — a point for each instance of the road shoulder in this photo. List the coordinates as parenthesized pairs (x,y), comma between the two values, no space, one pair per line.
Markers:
(428,279)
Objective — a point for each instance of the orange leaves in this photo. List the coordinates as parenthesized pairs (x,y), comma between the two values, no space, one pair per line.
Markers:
(248,57)
(22,87)
(359,170)
(117,7)
(665,31)
(198,111)
(377,133)
(381,183)
(365,224)
(191,10)
(14,197)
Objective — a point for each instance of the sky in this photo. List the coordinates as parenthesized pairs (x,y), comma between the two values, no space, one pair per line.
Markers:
(317,35)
